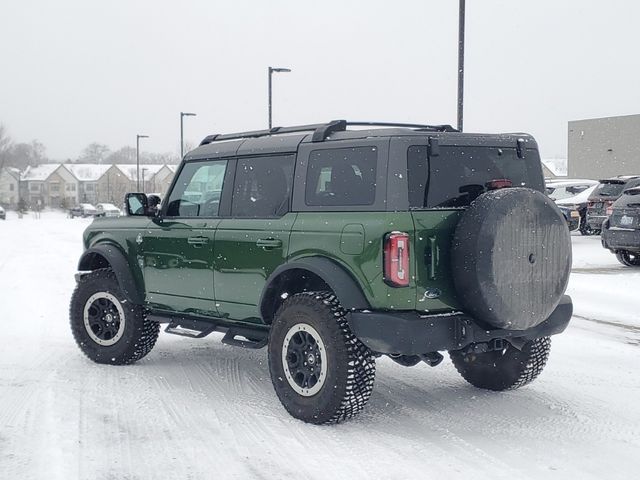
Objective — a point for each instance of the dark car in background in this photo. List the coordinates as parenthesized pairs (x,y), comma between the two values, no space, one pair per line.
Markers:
(621,232)
(3,214)
(571,197)
(601,201)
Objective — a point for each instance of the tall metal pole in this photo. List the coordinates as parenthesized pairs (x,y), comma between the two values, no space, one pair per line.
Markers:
(461,64)
(182,115)
(270,75)
(137,163)
(138,137)
(271,70)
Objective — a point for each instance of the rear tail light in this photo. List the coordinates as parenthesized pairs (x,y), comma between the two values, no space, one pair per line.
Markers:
(396,259)
(609,204)
(498,183)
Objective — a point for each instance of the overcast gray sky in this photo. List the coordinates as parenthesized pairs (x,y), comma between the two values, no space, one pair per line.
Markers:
(78,71)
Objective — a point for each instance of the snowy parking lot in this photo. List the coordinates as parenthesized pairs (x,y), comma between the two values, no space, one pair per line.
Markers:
(200,409)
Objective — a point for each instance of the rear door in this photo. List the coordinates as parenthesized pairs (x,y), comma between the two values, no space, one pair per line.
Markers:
(178,248)
(254,241)
(442,182)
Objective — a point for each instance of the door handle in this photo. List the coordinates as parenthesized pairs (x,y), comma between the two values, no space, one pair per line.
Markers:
(197,241)
(269,243)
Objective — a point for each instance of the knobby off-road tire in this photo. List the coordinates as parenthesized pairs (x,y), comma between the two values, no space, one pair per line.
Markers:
(345,369)
(629,259)
(107,328)
(507,369)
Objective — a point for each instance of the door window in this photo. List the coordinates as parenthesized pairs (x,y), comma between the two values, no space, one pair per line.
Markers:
(198,189)
(263,187)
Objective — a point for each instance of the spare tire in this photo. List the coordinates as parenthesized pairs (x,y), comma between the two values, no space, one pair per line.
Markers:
(511,258)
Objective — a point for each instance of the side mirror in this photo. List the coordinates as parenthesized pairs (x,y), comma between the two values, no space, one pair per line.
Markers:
(136,204)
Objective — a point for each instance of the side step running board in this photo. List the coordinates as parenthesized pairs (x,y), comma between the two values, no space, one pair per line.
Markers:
(190,328)
(252,340)
(195,328)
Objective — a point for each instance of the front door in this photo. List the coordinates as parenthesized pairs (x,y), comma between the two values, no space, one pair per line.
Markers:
(255,241)
(178,248)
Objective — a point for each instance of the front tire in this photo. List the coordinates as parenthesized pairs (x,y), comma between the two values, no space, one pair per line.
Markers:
(505,369)
(630,259)
(320,371)
(107,328)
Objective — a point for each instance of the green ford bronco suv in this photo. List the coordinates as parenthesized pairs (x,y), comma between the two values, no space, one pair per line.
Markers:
(334,246)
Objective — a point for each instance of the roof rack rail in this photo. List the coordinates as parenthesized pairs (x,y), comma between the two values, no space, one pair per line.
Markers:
(261,133)
(416,126)
(322,130)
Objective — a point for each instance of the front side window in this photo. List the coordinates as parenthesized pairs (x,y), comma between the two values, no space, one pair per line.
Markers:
(263,186)
(460,174)
(198,190)
(342,177)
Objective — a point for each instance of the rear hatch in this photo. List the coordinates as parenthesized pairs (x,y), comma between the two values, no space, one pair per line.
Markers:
(441,186)
(626,210)
(604,195)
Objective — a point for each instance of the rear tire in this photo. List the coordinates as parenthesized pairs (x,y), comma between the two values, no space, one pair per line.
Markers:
(107,328)
(630,259)
(320,371)
(506,369)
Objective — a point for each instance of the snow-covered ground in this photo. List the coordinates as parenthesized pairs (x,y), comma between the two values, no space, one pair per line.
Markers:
(197,409)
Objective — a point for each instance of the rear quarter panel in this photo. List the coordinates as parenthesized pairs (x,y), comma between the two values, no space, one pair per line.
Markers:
(354,240)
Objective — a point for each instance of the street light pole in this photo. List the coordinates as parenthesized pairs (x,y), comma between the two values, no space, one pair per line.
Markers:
(461,63)
(271,70)
(143,170)
(138,137)
(182,115)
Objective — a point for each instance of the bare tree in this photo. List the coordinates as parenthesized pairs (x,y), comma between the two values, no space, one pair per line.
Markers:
(5,145)
(94,153)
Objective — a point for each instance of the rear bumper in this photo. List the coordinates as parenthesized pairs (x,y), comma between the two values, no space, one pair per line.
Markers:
(595,221)
(410,333)
(621,239)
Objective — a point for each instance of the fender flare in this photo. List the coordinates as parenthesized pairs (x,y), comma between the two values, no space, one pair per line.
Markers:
(341,282)
(120,266)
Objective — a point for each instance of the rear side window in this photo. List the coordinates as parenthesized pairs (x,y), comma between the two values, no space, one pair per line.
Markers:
(342,177)
(262,187)
(460,174)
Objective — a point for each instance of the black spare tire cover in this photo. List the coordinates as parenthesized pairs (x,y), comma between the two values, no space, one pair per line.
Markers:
(511,258)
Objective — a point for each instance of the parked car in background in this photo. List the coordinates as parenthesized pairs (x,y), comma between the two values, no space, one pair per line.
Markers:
(571,197)
(571,215)
(579,204)
(107,210)
(3,214)
(621,231)
(563,189)
(83,210)
(601,200)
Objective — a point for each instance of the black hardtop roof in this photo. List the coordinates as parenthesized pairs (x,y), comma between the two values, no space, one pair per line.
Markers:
(287,139)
